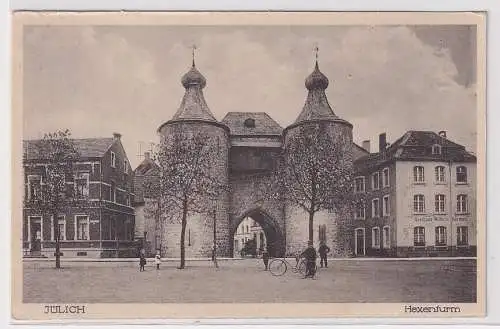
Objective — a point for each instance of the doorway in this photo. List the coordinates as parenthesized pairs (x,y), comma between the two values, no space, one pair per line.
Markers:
(36,234)
(359,241)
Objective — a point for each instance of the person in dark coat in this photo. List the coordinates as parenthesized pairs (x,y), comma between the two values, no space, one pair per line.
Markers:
(142,261)
(323,251)
(310,255)
(265,258)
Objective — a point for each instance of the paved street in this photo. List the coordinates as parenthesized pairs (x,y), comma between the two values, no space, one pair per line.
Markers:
(245,281)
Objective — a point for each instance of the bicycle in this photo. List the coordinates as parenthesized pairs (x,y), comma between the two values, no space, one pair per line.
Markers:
(279,266)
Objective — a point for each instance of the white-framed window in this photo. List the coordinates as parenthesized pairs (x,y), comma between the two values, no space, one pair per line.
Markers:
(61,221)
(439,174)
(321,233)
(386,237)
(462,175)
(360,212)
(82,227)
(462,204)
(439,203)
(419,203)
(375,181)
(462,236)
(385,206)
(112,192)
(440,236)
(125,166)
(436,149)
(418,174)
(385,177)
(81,182)
(34,187)
(113,159)
(376,237)
(35,228)
(359,184)
(419,236)
(375,208)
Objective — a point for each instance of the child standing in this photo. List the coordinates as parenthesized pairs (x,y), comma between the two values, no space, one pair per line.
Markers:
(142,263)
(157,260)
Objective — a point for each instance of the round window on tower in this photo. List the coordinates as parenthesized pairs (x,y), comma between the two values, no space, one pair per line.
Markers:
(249,123)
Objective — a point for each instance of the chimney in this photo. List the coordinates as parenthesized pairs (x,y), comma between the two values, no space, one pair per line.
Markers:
(366,145)
(147,155)
(117,135)
(442,133)
(382,142)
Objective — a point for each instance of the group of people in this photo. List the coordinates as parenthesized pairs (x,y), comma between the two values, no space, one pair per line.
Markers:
(142,260)
(309,254)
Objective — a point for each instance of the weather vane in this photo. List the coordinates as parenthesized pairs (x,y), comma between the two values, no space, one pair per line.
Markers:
(193,48)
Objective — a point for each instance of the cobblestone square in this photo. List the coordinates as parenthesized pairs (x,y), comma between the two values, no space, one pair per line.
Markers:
(245,281)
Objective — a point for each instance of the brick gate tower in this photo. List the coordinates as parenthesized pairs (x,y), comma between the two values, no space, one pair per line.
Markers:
(194,116)
(245,159)
(332,228)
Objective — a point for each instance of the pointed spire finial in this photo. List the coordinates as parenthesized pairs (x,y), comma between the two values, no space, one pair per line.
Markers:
(193,48)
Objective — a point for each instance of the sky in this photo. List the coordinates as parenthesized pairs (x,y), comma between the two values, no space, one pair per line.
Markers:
(96,80)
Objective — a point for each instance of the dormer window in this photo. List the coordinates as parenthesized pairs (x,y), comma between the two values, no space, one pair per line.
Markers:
(436,149)
(249,123)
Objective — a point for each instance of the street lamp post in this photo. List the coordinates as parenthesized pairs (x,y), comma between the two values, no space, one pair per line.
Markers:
(214,248)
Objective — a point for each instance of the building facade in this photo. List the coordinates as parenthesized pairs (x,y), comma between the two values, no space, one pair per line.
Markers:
(419,198)
(103,226)
(249,229)
(147,217)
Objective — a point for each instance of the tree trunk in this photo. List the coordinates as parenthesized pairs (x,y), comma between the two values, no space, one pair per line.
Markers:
(183,234)
(58,243)
(311,226)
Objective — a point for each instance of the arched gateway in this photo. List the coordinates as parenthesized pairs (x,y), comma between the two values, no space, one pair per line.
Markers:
(249,143)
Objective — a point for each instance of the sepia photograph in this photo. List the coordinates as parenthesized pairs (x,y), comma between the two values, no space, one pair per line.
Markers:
(308,161)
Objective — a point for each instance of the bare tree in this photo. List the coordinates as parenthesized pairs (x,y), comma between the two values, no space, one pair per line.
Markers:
(58,154)
(315,172)
(188,183)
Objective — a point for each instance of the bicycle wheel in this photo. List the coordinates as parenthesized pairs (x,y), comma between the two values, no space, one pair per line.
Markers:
(302,267)
(277,267)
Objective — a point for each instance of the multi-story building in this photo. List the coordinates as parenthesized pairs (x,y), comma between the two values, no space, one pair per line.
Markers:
(247,230)
(103,226)
(419,198)
(147,214)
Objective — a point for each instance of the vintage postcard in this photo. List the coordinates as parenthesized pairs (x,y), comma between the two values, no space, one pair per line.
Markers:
(257,165)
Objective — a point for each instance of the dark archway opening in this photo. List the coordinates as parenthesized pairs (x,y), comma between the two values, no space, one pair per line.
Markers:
(255,230)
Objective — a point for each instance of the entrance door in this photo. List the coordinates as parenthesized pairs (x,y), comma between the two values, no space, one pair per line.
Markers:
(36,233)
(360,241)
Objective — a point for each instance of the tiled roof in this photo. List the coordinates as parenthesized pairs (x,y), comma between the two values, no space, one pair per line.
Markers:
(263,124)
(316,106)
(193,105)
(417,146)
(87,148)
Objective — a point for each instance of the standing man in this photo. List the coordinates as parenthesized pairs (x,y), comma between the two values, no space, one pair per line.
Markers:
(323,252)
(265,257)
(310,255)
